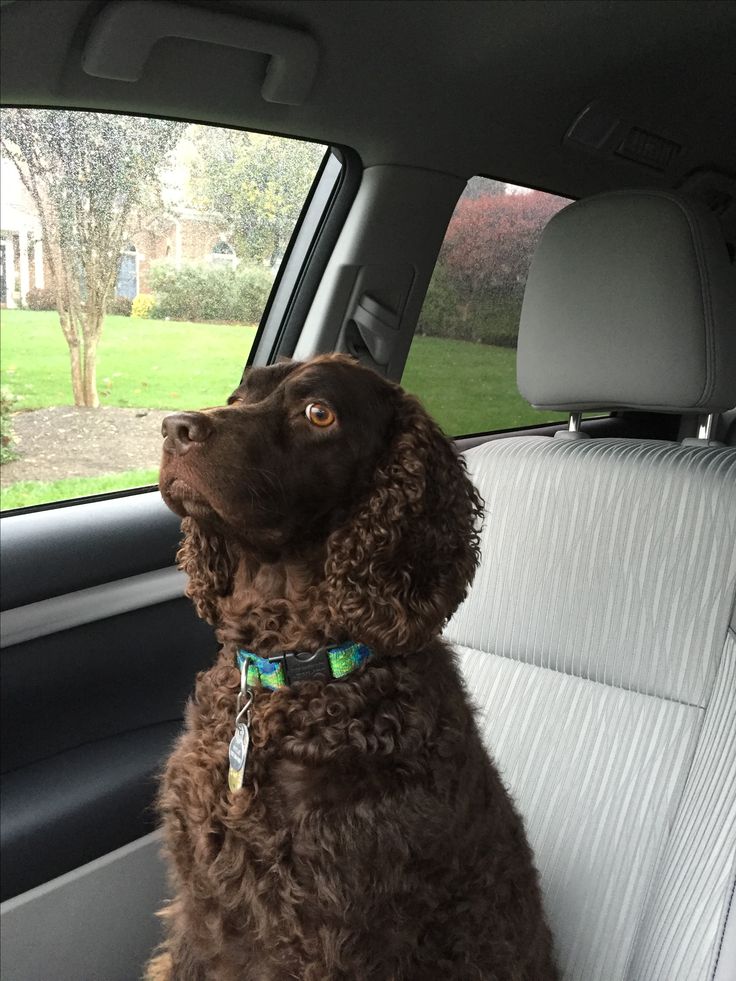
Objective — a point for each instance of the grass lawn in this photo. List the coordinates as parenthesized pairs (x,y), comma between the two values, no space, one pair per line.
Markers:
(468,388)
(151,364)
(165,364)
(25,493)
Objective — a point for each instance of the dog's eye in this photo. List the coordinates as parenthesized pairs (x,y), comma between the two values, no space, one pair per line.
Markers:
(319,415)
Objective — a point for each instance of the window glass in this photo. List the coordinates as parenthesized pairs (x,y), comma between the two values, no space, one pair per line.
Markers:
(136,257)
(462,362)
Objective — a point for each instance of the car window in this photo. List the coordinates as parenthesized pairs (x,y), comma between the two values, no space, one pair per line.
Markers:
(462,361)
(137,256)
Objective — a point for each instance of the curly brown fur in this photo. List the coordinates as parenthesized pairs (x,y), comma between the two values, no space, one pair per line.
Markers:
(373,838)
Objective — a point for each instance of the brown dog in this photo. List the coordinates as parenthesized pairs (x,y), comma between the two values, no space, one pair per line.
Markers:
(334,815)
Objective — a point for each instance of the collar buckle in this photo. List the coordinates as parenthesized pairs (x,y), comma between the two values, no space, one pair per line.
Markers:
(304,665)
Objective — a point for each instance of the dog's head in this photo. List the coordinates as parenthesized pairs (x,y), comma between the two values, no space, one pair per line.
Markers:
(326,458)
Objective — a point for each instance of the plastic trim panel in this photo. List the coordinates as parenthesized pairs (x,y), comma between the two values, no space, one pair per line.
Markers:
(58,613)
(95,922)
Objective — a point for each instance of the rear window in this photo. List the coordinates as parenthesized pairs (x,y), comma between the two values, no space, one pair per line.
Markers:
(136,258)
(462,361)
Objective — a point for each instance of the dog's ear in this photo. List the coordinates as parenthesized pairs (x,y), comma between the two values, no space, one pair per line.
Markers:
(210,564)
(403,562)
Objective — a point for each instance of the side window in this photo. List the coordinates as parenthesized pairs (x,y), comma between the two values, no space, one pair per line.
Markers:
(136,258)
(462,361)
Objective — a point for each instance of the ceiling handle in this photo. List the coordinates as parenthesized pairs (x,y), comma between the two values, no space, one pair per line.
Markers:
(122,36)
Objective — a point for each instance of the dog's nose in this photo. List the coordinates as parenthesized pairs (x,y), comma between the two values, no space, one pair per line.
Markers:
(182,430)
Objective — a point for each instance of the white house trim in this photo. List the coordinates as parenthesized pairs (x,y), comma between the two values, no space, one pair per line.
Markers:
(9,272)
(38,274)
(24,266)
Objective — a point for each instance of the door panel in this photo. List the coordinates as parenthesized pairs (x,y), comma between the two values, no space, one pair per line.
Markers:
(97,922)
(96,673)
(66,547)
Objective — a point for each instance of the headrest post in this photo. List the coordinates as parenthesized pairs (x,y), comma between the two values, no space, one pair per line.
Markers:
(706,425)
(573,430)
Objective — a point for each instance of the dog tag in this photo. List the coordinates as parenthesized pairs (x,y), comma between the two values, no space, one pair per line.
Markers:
(238,756)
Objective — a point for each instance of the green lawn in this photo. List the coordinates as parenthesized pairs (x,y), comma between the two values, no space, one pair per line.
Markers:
(25,493)
(162,365)
(468,388)
(151,364)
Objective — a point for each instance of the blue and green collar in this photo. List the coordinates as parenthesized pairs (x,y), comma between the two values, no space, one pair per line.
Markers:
(284,669)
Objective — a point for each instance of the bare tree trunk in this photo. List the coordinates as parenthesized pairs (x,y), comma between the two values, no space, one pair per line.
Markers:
(91,398)
(75,363)
(92,321)
(75,359)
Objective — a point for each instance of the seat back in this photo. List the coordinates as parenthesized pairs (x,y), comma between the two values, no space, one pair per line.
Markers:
(599,639)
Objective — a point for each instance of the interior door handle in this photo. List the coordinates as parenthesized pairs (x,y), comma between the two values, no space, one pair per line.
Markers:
(122,36)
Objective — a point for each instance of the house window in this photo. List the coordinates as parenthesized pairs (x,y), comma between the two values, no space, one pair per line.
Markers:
(223,254)
(126,284)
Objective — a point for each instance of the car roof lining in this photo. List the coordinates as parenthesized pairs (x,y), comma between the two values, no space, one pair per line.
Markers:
(459,87)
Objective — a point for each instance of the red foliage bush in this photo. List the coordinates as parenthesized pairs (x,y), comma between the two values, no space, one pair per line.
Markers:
(478,283)
(491,239)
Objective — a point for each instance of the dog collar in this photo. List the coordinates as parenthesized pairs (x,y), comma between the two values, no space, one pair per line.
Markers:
(278,672)
(289,667)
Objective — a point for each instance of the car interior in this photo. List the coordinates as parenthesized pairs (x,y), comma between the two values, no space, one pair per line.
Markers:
(598,640)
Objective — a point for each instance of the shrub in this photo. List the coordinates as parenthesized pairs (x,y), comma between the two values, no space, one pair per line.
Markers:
(495,320)
(41,299)
(7,435)
(491,317)
(441,312)
(120,306)
(200,293)
(143,306)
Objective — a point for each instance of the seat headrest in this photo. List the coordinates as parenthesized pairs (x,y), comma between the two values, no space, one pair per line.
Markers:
(630,303)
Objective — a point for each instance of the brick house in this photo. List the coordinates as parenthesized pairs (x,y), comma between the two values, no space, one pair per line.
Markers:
(187,236)
(182,236)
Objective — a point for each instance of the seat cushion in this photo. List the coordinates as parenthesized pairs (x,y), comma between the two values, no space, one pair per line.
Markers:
(596,643)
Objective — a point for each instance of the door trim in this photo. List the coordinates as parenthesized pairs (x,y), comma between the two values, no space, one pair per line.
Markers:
(49,616)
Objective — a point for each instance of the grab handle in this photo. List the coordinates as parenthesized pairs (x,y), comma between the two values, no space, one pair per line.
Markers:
(122,36)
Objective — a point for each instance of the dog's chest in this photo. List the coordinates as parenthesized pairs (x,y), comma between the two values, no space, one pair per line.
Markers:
(254,821)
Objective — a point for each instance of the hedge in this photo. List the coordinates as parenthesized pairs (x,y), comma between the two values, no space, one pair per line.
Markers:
(198,293)
(41,298)
(489,318)
(44,298)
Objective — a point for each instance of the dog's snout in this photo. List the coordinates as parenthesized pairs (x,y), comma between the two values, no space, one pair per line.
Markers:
(183,429)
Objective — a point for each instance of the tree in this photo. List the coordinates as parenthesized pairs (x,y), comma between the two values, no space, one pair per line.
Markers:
(490,241)
(477,286)
(483,187)
(258,183)
(87,173)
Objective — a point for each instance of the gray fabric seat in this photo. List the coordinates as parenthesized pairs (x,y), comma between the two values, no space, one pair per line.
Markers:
(599,639)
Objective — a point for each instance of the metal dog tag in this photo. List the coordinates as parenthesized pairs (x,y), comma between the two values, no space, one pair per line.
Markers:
(238,756)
